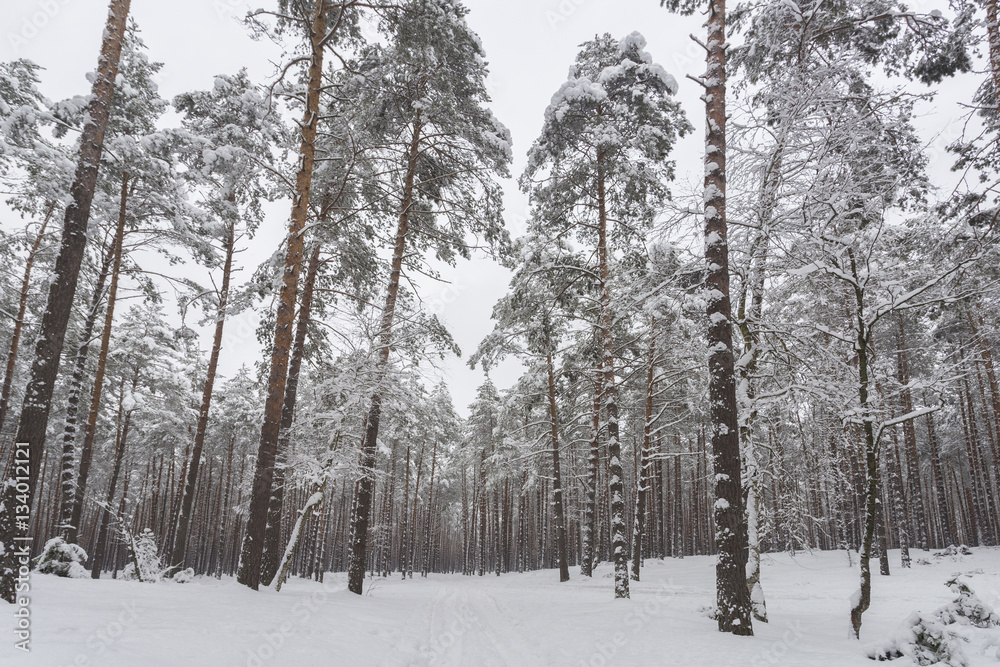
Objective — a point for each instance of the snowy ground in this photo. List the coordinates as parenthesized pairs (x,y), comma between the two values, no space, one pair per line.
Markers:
(520,620)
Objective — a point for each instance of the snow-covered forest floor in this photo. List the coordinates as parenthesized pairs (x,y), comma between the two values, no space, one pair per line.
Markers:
(519,620)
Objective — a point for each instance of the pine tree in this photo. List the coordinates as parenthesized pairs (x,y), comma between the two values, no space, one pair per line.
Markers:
(45,367)
(227,134)
(320,24)
(604,147)
(424,98)
(138,190)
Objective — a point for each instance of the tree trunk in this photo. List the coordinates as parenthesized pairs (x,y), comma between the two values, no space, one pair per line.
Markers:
(465,516)
(120,443)
(253,537)
(898,501)
(732,595)
(993,34)
(314,500)
(977,475)
(425,565)
(385,560)
(947,531)
(481,508)
(180,539)
(748,321)
(883,547)
(62,289)
(872,505)
(919,514)
(556,476)
(68,472)
(986,356)
(362,505)
(678,518)
(412,549)
(15,338)
(643,476)
(71,532)
(272,534)
(496,530)
(616,476)
(403,530)
(593,462)
(175,497)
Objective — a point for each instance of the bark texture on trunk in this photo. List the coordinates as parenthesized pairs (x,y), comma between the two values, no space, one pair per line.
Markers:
(748,321)
(732,595)
(918,514)
(993,35)
(616,476)
(873,501)
(593,461)
(947,530)
(314,501)
(556,473)
(643,477)
(253,537)
(898,501)
(272,534)
(71,531)
(67,472)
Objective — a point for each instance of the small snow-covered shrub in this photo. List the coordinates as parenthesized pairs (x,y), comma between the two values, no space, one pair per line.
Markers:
(953,551)
(924,640)
(932,639)
(146,555)
(967,608)
(184,576)
(63,559)
(128,573)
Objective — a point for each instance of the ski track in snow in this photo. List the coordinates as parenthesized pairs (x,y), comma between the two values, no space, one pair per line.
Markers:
(516,620)
(463,626)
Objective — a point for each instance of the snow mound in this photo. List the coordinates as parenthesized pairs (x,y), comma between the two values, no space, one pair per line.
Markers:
(184,576)
(953,551)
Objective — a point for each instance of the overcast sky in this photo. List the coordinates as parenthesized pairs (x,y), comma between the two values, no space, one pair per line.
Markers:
(530,45)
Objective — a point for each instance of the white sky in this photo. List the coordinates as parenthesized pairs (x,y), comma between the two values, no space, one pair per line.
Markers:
(530,44)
